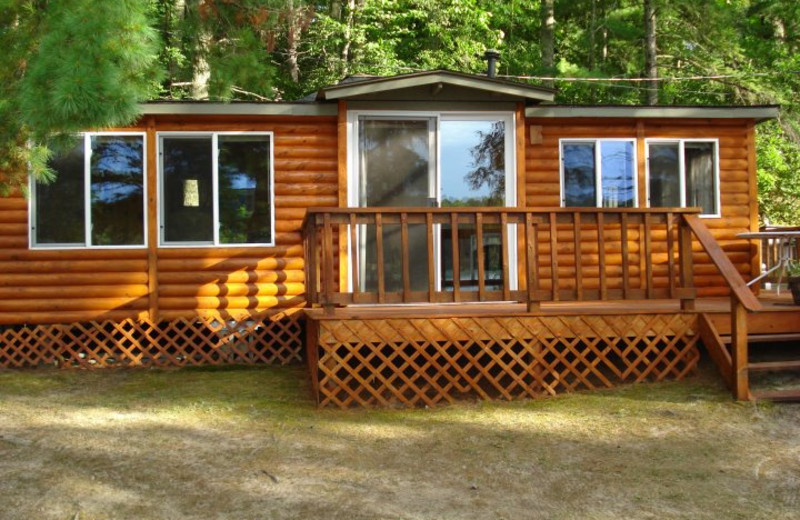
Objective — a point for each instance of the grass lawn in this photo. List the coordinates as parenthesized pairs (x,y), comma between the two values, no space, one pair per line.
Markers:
(249,443)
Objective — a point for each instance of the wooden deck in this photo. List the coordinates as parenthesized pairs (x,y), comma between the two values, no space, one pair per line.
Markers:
(412,355)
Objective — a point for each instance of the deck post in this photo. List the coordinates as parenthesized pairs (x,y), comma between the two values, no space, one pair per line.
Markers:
(686,264)
(739,349)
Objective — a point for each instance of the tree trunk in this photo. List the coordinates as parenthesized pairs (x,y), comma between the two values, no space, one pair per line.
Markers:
(548,39)
(293,39)
(651,70)
(348,36)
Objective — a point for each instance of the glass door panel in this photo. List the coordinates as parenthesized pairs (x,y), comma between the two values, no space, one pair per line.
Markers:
(397,169)
(473,174)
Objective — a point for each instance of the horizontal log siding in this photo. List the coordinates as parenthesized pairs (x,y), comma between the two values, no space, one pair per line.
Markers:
(63,286)
(50,286)
(543,190)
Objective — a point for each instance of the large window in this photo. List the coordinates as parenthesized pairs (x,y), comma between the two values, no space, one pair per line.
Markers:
(216,189)
(97,198)
(683,173)
(598,173)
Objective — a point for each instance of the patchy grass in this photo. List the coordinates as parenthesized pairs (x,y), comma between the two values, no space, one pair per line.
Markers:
(249,443)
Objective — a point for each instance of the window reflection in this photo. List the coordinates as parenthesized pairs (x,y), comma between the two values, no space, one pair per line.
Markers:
(187,190)
(665,184)
(618,169)
(117,190)
(473,175)
(60,205)
(579,175)
(244,190)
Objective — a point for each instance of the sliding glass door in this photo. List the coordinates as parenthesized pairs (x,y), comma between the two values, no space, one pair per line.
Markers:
(397,169)
(433,160)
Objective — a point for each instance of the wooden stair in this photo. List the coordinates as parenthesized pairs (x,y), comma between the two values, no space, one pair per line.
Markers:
(718,347)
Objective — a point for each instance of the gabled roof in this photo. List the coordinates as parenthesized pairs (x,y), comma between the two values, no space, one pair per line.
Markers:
(432,85)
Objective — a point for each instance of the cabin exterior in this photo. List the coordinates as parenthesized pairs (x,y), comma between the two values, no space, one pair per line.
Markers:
(419,237)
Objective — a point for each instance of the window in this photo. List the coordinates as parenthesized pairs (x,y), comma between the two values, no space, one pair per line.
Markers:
(97,198)
(216,189)
(598,173)
(683,173)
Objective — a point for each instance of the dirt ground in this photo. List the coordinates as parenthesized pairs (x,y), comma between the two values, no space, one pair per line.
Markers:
(249,444)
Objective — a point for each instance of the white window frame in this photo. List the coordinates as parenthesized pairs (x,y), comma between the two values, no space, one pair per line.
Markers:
(214,135)
(87,210)
(354,173)
(682,169)
(598,167)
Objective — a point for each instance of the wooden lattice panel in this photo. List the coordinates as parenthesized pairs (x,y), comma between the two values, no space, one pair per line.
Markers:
(425,361)
(271,339)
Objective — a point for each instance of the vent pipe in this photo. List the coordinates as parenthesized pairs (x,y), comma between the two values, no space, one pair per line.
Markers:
(491,56)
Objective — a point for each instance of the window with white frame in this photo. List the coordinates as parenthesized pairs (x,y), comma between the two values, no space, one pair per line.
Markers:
(683,173)
(216,188)
(598,173)
(98,196)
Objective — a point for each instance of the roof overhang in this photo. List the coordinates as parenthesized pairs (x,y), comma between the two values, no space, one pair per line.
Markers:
(758,113)
(201,108)
(436,84)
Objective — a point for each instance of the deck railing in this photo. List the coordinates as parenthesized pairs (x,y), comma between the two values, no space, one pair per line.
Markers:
(772,252)
(418,255)
(532,255)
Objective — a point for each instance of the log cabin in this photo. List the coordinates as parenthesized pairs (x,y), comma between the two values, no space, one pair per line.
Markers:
(415,238)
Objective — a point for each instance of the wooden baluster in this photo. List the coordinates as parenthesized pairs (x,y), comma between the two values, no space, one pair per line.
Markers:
(670,255)
(531,262)
(576,236)
(431,259)
(327,251)
(739,349)
(405,260)
(601,259)
(648,254)
(687,266)
(379,259)
(311,254)
(554,256)
(354,260)
(504,250)
(456,262)
(481,259)
(626,275)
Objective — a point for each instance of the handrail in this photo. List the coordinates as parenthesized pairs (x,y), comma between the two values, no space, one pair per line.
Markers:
(742,301)
(726,268)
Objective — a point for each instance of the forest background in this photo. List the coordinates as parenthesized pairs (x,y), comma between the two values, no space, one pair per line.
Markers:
(68,65)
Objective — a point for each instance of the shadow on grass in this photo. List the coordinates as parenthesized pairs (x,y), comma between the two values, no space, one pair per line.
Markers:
(249,443)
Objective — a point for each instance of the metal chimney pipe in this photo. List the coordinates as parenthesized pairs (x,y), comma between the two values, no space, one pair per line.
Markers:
(491,56)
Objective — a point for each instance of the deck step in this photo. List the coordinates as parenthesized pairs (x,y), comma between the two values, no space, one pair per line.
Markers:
(777,395)
(775,365)
(766,338)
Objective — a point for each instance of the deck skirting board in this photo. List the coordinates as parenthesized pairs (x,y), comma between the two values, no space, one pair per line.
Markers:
(268,338)
(427,361)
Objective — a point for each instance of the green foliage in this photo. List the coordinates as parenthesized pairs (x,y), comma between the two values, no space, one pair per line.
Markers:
(88,70)
(69,65)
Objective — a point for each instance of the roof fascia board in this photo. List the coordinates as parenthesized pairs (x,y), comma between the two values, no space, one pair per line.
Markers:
(758,113)
(369,87)
(444,106)
(240,109)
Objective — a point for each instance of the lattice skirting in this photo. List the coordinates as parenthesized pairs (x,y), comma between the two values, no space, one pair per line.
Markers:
(268,338)
(426,361)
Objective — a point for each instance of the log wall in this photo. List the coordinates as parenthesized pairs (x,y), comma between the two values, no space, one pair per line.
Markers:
(739,212)
(64,286)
